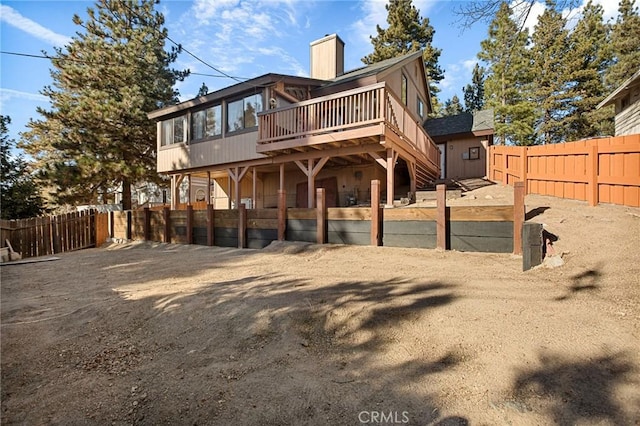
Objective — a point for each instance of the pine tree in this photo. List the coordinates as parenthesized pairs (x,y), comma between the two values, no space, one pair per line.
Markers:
(550,47)
(508,78)
(452,106)
(474,92)
(203,90)
(19,192)
(96,137)
(587,60)
(625,36)
(407,32)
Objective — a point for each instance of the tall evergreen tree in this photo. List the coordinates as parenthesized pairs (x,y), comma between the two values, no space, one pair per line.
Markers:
(19,194)
(474,92)
(625,36)
(407,32)
(587,60)
(504,52)
(452,106)
(96,137)
(549,92)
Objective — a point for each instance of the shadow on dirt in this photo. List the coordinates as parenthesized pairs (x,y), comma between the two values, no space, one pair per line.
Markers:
(587,281)
(577,392)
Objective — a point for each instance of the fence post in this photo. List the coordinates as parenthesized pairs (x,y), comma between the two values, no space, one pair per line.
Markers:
(147,224)
(505,163)
(321,216)
(210,225)
(518,216)
(592,174)
(242,225)
(129,224)
(524,166)
(375,212)
(282,215)
(189,223)
(167,224)
(441,221)
(112,225)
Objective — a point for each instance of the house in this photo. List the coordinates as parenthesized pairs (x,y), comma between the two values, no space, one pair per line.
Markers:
(335,130)
(463,141)
(626,99)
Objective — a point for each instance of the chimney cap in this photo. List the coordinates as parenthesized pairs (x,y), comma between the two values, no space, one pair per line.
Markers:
(327,37)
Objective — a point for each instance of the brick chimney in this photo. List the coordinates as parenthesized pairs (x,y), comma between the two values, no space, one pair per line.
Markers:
(327,57)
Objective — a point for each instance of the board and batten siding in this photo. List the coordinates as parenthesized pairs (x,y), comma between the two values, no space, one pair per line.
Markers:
(628,120)
(212,152)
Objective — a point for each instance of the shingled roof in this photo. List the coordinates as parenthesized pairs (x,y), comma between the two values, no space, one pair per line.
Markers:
(478,123)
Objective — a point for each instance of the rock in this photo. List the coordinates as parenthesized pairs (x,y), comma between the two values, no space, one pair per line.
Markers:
(554,261)
(488,197)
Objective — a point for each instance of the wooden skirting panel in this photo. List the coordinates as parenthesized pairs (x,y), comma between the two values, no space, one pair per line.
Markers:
(353,232)
(301,229)
(225,237)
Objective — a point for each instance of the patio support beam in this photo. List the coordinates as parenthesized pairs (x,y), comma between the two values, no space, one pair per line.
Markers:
(311,171)
(176,180)
(207,194)
(392,157)
(236,174)
(254,188)
(281,176)
(412,178)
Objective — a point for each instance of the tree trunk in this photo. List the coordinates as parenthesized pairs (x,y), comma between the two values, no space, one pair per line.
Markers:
(126,194)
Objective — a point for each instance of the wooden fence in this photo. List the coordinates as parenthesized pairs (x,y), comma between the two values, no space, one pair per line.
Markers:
(479,228)
(603,170)
(48,235)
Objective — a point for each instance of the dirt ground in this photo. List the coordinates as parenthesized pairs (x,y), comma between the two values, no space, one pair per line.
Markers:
(296,333)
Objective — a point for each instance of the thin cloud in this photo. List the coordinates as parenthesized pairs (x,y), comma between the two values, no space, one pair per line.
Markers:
(10,16)
(8,94)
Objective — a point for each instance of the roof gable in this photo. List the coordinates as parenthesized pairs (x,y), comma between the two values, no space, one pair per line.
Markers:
(477,123)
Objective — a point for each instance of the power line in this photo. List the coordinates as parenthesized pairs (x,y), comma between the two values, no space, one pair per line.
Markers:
(54,58)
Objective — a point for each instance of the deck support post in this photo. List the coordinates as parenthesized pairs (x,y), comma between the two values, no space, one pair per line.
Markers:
(311,171)
(166,212)
(207,195)
(391,164)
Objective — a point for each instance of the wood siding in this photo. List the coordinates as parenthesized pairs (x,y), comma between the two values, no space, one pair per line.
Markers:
(628,120)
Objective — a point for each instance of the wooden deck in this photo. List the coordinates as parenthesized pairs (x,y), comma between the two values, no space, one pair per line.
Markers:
(371,117)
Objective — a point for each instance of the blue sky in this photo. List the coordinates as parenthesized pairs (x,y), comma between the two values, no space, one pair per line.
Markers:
(242,38)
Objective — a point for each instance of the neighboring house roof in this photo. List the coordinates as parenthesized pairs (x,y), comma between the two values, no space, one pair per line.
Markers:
(621,91)
(479,123)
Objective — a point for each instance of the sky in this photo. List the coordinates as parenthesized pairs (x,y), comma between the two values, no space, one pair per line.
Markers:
(242,38)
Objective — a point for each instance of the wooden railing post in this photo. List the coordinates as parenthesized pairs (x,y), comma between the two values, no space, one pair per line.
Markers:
(518,216)
(210,225)
(375,213)
(321,216)
(167,224)
(441,222)
(282,214)
(242,225)
(189,223)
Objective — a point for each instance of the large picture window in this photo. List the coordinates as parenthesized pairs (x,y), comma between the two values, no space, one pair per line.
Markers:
(174,131)
(243,113)
(206,123)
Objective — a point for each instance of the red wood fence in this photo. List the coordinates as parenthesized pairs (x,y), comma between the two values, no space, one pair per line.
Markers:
(41,236)
(605,170)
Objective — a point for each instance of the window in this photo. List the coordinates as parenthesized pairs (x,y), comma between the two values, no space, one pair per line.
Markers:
(206,123)
(243,113)
(420,107)
(404,89)
(174,131)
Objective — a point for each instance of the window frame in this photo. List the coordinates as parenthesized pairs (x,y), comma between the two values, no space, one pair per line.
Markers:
(243,98)
(206,136)
(172,121)
(420,107)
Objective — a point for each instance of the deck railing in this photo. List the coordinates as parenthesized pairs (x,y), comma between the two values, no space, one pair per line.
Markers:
(357,108)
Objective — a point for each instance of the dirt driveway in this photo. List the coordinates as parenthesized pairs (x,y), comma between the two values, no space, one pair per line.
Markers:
(307,334)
